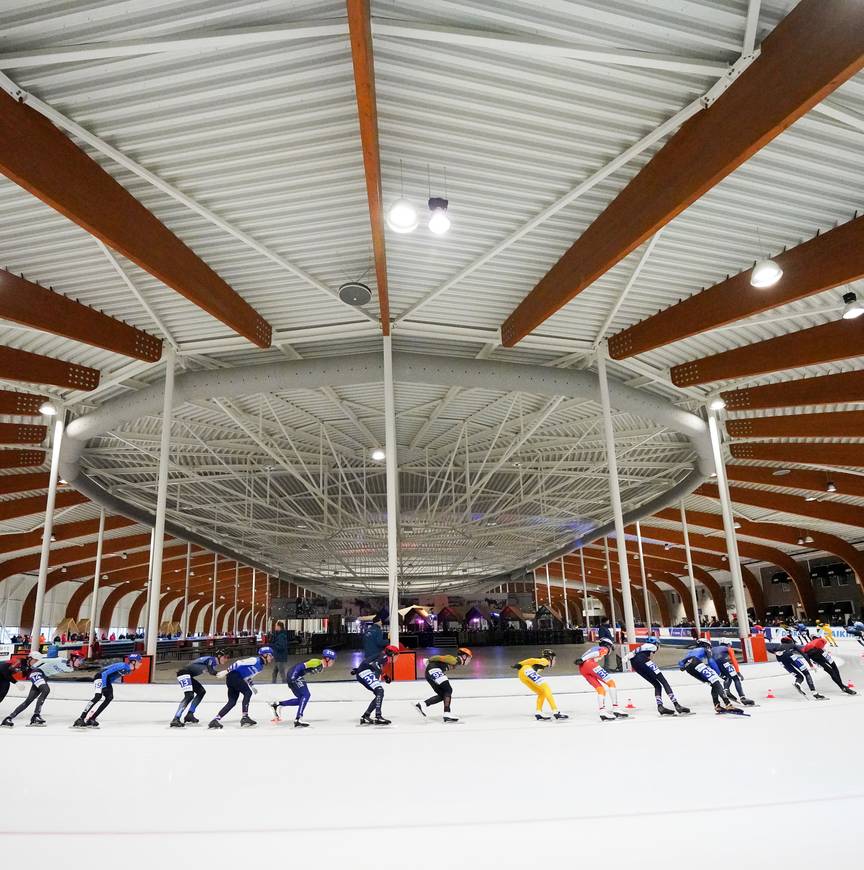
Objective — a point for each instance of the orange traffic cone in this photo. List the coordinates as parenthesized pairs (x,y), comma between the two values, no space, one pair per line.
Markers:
(631,706)
(770,694)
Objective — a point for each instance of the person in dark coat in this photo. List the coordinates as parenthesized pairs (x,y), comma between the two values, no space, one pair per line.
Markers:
(374,640)
(280,644)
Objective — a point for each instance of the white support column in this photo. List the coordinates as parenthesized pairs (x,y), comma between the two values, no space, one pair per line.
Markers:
(47,530)
(267,606)
(690,575)
(161,503)
(644,578)
(548,588)
(609,581)
(213,608)
(184,623)
(564,584)
(731,537)
(97,574)
(252,619)
(236,591)
(392,476)
(584,587)
(615,495)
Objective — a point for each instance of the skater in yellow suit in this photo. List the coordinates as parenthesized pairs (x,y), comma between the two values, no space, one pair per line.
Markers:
(825,631)
(530,676)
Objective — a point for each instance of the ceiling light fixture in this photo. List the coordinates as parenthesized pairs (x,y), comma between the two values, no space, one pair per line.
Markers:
(800,540)
(355,293)
(780,472)
(766,273)
(852,308)
(811,498)
(717,403)
(48,409)
(808,539)
(402,217)
(737,525)
(830,486)
(378,455)
(439,223)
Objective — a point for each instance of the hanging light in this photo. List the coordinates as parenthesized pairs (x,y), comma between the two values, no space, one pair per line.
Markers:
(717,403)
(800,540)
(830,486)
(402,217)
(736,524)
(439,223)
(811,498)
(852,308)
(766,273)
(378,455)
(780,472)
(808,539)
(50,410)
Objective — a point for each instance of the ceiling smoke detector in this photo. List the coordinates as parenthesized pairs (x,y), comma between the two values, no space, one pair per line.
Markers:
(355,293)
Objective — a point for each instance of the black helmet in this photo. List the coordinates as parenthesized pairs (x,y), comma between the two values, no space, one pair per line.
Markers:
(220,653)
(548,654)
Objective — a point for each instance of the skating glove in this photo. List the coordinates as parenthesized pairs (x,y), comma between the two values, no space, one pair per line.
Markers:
(353,672)
(387,679)
(221,673)
(515,667)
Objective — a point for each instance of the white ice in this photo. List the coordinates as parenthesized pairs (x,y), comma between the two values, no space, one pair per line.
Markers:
(498,789)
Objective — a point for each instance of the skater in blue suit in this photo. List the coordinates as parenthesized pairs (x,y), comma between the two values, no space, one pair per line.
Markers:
(702,666)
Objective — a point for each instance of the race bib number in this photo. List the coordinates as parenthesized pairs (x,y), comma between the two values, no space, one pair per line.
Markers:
(534,677)
(601,673)
(828,657)
(704,671)
(729,668)
(185,682)
(652,667)
(97,684)
(437,676)
(38,679)
(370,680)
(299,682)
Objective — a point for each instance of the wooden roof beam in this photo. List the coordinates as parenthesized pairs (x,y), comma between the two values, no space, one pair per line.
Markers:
(360,30)
(822,390)
(33,368)
(37,156)
(803,452)
(20,404)
(20,459)
(837,424)
(828,260)
(24,302)
(22,433)
(810,53)
(828,342)
(800,479)
(34,504)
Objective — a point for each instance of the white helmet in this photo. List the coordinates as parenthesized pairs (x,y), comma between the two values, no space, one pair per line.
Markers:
(607,641)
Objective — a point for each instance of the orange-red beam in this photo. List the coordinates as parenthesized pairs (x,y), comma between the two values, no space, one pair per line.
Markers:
(822,390)
(826,261)
(816,48)
(61,532)
(20,459)
(360,30)
(803,452)
(20,404)
(797,478)
(34,504)
(22,433)
(839,339)
(26,482)
(838,424)
(37,156)
(33,368)
(22,301)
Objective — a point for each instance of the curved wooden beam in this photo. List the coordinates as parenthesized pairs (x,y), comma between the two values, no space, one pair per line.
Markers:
(797,478)
(24,507)
(62,532)
(109,605)
(135,611)
(803,452)
(822,390)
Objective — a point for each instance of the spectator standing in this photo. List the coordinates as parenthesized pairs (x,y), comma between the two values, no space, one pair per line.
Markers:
(280,654)
(374,640)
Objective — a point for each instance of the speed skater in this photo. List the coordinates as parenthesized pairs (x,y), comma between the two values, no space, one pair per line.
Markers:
(103,687)
(37,668)
(702,666)
(724,655)
(193,691)
(591,667)
(792,657)
(816,652)
(369,674)
(436,676)
(530,675)
(642,662)
(238,681)
(297,684)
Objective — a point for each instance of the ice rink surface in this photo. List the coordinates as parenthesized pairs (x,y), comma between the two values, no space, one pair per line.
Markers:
(496,790)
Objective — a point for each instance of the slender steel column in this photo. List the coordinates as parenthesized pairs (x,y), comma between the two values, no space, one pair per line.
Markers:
(47,529)
(584,587)
(213,609)
(730,535)
(690,575)
(644,577)
(609,581)
(161,506)
(548,588)
(564,583)
(252,620)
(97,574)
(236,591)
(184,623)
(615,496)
(392,477)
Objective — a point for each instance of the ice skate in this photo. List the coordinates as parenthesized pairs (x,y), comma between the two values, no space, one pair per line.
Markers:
(681,709)
(449,717)
(276,716)
(79,723)
(365,719)
(299,723)
(605,716)
(419,707)
(819,697)
(800,690)
(176,723)
(189,719)
(7,723)
(541,718)
(618,715)
(91,723)
(215,724)
(561,716)
(747,702)
(665,711)
(849,691)
(380,720)
(36,721)
(247,721)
